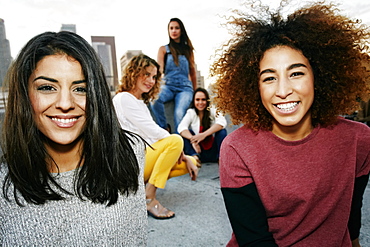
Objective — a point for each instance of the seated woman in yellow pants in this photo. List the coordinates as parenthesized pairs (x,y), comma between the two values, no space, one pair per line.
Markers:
(164,157)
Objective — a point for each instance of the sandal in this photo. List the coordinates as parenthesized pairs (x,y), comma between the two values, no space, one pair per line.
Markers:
(157,211)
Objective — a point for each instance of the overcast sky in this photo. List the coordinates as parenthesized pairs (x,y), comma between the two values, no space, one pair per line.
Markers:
(136,25)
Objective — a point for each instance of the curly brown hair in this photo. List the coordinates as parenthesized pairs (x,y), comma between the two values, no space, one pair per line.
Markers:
(137,67)
(336,47)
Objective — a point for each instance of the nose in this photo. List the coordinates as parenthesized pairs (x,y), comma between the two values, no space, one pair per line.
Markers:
(65,100)
(284,88)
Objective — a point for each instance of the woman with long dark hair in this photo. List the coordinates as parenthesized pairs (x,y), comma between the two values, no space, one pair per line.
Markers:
(176,61)
(69,173)
(202,129)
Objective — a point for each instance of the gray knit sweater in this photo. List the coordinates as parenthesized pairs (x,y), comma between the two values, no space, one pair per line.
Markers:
(73,222)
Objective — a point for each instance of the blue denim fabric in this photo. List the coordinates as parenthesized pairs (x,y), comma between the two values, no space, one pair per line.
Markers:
(182,99)
(210,155)
(177,87)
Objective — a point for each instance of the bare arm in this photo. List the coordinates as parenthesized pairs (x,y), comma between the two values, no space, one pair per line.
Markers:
(160,58)
(186,134)
(193,72)
(201,136)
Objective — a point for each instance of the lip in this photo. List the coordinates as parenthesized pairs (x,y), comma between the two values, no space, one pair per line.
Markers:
(64,121)
(287,107)
(148,86)
(201,107)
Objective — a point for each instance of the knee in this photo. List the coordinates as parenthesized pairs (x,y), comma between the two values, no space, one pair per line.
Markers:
(221,133)
(176,140)
(159,100)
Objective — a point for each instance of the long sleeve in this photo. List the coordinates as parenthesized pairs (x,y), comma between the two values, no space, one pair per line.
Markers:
(189,120)
(354,223)
(134,116)
(192,121)
(247,216)
(218,119)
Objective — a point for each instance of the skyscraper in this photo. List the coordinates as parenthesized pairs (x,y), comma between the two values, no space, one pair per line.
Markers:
(5,57)
(127,56)
(106,48)
(68,27)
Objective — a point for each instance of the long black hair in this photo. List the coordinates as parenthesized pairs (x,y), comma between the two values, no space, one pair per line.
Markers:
(206,120)
(108,165)
(185,47)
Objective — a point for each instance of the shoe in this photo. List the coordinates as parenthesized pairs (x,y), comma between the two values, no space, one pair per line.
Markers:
(168,128)
(156,210)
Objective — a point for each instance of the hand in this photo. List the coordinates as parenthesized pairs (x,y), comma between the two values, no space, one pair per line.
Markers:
(192,168)
(198,138)
(181,158)
(197,148)
(356,243)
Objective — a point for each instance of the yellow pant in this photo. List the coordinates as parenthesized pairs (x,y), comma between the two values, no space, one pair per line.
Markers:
(161,161)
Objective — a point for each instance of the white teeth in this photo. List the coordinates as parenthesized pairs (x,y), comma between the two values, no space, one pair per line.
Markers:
(63,120)
(287,106)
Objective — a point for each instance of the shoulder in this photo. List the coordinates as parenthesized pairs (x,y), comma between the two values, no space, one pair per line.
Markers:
(124,99)
(212,110)
(191,112)
(123,95)
(349,128)
(240,138)
(214,113)
(162,49)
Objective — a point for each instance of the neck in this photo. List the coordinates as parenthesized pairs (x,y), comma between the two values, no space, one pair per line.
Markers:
(293,133)
(63,157)
(201,114)
(135,93)
(176,40)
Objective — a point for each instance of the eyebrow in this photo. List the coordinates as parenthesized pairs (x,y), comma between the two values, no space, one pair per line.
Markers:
(293,66)
(53,80)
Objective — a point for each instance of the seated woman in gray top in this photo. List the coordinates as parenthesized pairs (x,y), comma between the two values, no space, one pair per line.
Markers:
(69,174)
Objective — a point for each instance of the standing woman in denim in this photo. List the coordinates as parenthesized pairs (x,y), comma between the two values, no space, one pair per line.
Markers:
(176,62)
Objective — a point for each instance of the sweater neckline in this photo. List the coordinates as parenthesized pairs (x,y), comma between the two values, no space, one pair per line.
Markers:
(66,174)
(309,137)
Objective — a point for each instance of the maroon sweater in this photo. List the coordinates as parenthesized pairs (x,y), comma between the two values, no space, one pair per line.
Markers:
(303,189)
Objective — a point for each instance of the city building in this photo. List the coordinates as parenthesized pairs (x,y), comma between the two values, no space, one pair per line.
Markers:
(68,27)
(127,56)
(106,48)
(5,56)
(200,78)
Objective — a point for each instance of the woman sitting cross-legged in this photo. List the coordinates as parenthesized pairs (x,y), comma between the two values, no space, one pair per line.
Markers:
(202,129)
(164,157)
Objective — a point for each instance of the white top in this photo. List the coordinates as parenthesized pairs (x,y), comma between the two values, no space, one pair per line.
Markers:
(134,115)
(191,120)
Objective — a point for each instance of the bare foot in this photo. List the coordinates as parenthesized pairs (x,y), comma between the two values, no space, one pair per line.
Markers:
(157,211)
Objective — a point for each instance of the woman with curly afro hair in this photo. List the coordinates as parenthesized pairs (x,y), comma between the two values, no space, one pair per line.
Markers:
(295,173)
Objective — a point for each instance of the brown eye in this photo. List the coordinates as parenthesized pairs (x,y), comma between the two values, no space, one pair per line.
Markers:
(46,88)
